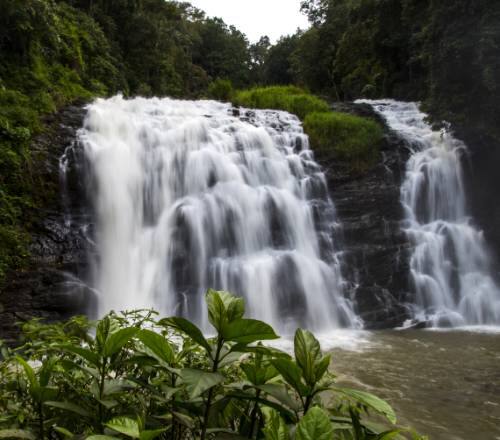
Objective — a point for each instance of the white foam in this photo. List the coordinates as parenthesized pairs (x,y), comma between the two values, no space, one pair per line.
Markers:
(188,196)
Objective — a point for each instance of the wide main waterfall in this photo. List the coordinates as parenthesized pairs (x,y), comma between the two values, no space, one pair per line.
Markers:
(189,195)
(450,266)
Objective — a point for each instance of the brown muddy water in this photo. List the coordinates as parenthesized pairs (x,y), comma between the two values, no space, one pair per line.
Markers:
(444,384)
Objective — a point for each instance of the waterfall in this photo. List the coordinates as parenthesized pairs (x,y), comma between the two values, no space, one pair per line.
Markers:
(450,266)
(190,194)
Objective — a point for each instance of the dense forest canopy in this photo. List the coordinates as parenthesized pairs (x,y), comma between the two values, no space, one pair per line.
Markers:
(445,53)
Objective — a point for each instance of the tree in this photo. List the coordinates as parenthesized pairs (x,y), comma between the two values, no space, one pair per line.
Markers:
(222,51)
(258,54)
(278,67)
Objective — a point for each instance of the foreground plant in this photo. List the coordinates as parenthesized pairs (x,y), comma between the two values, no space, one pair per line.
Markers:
(144,378)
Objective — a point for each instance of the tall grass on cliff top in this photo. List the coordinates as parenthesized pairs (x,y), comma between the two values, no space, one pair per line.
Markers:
(144,378)
(353,139)
(289,98)
(346,137)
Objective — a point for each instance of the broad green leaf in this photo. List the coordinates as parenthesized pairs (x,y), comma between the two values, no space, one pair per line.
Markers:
(17,433)
(229,358)
(246,331)
(198,381)
(291,373)
(125,425)
(69,406)
(46,371)
(260,349)
(275,428)
(321,366)
(102,332)
(367,399)
(188,328)
(270,372)
(182,418)
(259,375)
(315,425)
(101,437)
(150,435)
(113,386)
(225,434)
(117,340)
(307,353)
(64,432)
(168,392)
(30,373)
(47,393)
(217,313)
(85,353)
(145,360)
(235,309)
(280,393)
(251,372)
(158,345)
(388,435)
(108,403)
(271,403)
(70,365)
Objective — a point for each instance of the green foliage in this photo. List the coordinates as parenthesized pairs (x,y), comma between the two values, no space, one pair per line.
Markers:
(315,425)
(345,136)
(144,378)
(444,53)
(221,90)
(289,98)
(278,62)
(222,51)
(362,48)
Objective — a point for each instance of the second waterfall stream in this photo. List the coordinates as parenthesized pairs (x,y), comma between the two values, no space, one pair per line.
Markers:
(450,264)
(190,195)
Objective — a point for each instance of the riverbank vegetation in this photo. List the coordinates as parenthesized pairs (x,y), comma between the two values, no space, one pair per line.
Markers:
(141,377)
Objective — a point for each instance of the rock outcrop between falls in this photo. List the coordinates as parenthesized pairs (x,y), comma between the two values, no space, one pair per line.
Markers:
(48,287)
(376,250)
(482,182)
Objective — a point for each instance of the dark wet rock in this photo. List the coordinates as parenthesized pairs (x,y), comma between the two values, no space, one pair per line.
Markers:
(49,288)
(375,250)
(482,182)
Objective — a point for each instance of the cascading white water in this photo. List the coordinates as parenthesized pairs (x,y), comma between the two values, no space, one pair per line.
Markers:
(450,265)
(188,195)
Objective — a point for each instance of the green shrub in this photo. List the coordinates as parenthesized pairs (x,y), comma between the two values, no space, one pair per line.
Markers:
(221,90)
(144,378)
(289,98)
(344,136)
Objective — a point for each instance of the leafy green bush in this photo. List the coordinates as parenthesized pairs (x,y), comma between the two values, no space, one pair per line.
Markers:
(345,136)
(144,378)
(289,98)
(221,90)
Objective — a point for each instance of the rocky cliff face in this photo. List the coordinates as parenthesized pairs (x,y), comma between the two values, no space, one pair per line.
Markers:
(482,181)
(376,251)
(48,288)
